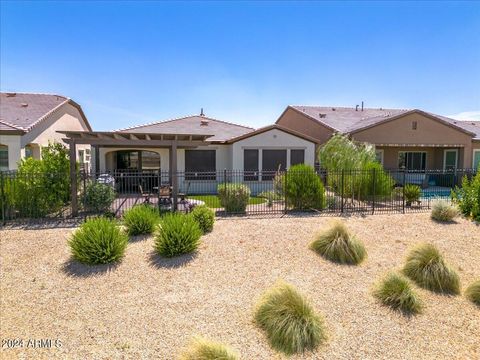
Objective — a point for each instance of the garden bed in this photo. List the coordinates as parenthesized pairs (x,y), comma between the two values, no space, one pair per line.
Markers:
(148,307)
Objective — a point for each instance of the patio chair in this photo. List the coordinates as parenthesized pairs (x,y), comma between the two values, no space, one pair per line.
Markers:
(145,195)
(164,194)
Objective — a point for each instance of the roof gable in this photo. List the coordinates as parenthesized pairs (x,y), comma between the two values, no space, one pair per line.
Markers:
(272,127)
(219,130)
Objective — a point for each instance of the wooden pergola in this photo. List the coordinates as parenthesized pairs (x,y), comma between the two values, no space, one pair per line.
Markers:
(99,139)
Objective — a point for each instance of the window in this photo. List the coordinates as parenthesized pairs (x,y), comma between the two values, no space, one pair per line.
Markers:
(414,125)
(3,158)
(127,160)
(411,160)
(297,157)
(476,159)
(28,151)
(81,156)
(450,159)
(150,160)
(200,165)
(250,164)
(379,155)
(273,161)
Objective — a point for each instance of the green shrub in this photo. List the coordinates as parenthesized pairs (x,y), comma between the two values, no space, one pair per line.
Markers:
(303,188)
(338,245)
(98,241)
(473,292)
(178,234)
(291,324)
(202,349)
(468,197)
(204,216)
(395,291)
(141,219)
(270,196)
(443,211)
(98,197)
(234,197)
(426,266)
(412,193)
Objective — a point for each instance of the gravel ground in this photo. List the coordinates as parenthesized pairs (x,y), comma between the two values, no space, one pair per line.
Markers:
(148,307)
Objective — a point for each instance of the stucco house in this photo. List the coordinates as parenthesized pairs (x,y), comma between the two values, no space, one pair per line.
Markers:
(29,122)
(411,139)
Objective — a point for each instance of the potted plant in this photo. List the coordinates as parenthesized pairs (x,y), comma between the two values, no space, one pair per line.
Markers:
(412,194)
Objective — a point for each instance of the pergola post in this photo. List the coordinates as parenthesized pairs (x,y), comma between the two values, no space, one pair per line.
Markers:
(174,174)
(96,152)
(73,177)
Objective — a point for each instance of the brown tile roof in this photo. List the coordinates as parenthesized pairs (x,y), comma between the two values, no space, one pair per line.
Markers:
(349,120)
(195,124)
(469,125)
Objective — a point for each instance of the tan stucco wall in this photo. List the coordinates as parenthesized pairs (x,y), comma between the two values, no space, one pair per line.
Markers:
(429,132)
(272,139)
(14,149)
(67,117)
(294,120)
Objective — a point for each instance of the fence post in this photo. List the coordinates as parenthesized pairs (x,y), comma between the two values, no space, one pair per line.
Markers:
(403,191)
(2,183)
(225,187)
(374,189)
(285,176)
(343,179)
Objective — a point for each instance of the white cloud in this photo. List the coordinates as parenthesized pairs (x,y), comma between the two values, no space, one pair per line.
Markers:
(466,116)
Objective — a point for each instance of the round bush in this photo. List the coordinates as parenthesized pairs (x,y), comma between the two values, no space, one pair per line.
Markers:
(178,234)
(338,245)
(141,219)
(203,349)
(426,266)
(98,241)
(473,292)
(204,216)
(443,211)
(303,188)
(395,291)
(291,324)
(234,197)
(98,197)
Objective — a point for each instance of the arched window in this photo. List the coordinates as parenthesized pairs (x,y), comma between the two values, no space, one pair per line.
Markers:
(3,157)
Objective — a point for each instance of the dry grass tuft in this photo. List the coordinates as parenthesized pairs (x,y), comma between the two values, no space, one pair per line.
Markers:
(338,245)
(426,266)
(473,292)
(395,291)
(203,349)
(291,324)
(443,211)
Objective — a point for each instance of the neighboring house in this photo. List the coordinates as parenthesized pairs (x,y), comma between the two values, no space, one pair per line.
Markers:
(411,139)
(29,122)
(227,146)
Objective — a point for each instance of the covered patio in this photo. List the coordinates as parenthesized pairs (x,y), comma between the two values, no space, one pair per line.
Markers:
(126,140)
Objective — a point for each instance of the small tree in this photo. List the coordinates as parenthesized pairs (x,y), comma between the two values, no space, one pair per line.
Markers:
(303,188)
(467,197)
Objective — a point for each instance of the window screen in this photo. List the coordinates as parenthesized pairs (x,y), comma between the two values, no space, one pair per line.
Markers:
(273,161)
(250,164)
(297,157)
(200,165)
(412,160)
(3,158)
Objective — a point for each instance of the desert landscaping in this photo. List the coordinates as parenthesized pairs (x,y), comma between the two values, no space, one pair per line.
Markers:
(148,306)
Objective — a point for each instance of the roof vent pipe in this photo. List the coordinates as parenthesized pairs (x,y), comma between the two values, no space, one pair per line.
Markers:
(362,105)
(356,107)
(201,112)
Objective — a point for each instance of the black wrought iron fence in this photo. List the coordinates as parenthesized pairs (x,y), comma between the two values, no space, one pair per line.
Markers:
(25,197)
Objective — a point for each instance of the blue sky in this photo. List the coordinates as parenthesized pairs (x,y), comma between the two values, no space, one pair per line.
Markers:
(134,62)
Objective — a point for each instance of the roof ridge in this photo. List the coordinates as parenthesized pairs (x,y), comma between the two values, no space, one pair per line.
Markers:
(350,107)
(12,125)
(47,114)
(181,118)
(32,93)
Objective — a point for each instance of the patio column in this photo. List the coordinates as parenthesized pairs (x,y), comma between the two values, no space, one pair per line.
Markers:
(96,153)
(174,174)
(73,177)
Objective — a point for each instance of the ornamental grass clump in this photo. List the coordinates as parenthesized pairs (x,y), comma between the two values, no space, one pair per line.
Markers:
(396,292)
(177,234)
(204,216)
(443,211)
(339,245)
(473,292)
(141,219)
(203,349)
(290,323)
(98,241)
(426,266)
